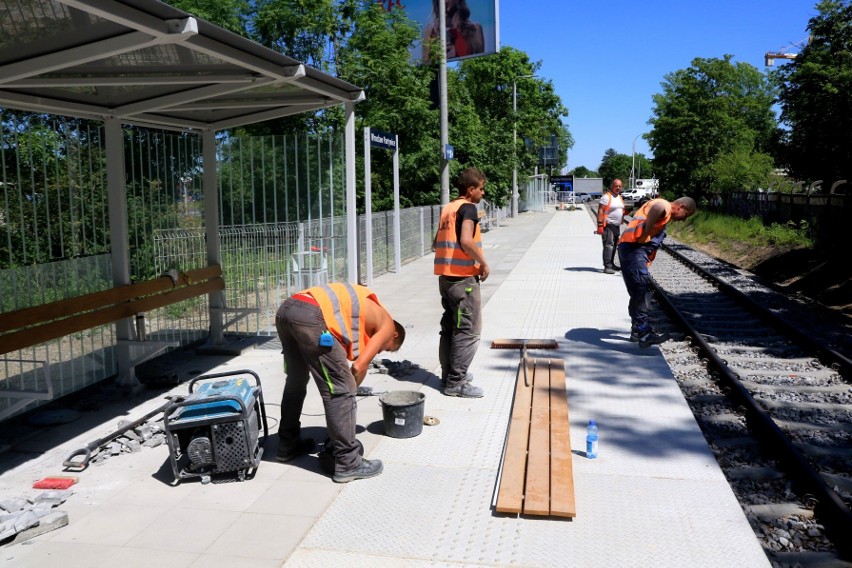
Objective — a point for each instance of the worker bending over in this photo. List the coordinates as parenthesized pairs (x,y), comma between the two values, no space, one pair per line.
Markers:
(639,243)
(322,329)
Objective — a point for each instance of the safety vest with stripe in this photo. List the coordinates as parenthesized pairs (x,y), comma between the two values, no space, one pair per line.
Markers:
(616,204)
(633,232)
(342,308)
(450,258)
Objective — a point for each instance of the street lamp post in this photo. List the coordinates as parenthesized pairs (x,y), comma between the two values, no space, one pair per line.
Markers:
(633,164)
(515,142)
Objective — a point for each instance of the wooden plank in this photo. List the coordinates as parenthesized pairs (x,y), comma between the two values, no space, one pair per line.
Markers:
(562,503)
(56,329)
(97,300)
(537,492)
(511,493)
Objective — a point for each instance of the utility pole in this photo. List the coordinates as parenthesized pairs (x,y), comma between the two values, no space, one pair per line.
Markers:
(515,195)
(445,133)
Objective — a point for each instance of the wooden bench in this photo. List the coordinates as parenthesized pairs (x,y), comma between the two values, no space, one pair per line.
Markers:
(536,474)
(31,326)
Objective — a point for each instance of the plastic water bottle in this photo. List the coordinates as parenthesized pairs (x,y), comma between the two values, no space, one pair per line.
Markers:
(592,440)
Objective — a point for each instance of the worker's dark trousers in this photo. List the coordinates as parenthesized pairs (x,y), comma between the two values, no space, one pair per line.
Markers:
(461,326)
(610,236)
(638,284)
(299,326)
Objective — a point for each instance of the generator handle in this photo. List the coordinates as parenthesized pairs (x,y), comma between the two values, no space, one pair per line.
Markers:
(225,374)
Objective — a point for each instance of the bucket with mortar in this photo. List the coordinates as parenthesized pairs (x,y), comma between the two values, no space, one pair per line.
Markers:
(403,413)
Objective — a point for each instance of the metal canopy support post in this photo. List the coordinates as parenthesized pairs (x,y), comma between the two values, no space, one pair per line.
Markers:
(442,79)
(351,213)
(120,243)
(397,238)
(215,300)
(368,211)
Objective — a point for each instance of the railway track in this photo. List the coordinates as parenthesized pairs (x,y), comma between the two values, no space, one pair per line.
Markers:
(772,396)
(769,380)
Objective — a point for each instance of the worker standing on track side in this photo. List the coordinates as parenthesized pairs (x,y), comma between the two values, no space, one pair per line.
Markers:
(644,235)
(321,330)
(460,266)
(610,217)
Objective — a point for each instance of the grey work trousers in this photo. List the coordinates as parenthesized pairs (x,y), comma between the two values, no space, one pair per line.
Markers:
(299,326)
(610,236)
(461,326)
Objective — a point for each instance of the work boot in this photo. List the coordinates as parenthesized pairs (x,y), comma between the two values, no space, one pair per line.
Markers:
(464,390)
(609,270)
(650,338)
(367,469)
(634,336)
(290,452)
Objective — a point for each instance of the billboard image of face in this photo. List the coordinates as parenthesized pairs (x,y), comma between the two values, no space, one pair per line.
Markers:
(471,26)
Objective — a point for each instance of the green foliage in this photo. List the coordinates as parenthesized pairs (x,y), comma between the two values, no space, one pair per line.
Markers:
(620,166)
(229,14)
(816,98)
(492,82)
(714,108)
(583,171)
(708,227)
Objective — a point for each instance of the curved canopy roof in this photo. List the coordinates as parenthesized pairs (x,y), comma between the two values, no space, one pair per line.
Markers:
(151,64)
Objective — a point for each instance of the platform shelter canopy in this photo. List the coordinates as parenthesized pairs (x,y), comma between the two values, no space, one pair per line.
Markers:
(147,63)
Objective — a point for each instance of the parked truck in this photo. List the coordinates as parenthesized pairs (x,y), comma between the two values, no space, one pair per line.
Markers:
(593,186)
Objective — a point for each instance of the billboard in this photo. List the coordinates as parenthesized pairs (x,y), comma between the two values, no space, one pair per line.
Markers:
(472,26)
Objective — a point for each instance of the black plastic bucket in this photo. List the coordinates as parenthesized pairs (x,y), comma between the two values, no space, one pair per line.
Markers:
(403,413)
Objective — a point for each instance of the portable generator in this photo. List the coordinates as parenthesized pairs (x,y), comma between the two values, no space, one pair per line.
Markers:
(216,428)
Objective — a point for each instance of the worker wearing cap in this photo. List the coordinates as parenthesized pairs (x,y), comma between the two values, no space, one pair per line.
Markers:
(644,234)
(322,329)
(610,218)
(460,266)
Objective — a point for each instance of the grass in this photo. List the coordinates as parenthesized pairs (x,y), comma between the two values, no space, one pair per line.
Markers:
(727,232)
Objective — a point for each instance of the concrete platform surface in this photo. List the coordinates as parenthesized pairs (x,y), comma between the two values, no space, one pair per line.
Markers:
(654,497)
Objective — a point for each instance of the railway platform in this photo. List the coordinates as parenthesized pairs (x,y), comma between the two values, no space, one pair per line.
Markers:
(654,497)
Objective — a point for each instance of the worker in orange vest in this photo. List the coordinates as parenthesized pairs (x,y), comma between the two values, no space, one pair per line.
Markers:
(644,234)
(322,329)
(460,265)
(610,217)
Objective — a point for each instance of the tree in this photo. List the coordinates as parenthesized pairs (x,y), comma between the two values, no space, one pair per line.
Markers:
(583,171)
(816,98)
(707,111)
(491,82)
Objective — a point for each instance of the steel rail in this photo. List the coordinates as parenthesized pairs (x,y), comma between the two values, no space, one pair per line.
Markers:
(833,512)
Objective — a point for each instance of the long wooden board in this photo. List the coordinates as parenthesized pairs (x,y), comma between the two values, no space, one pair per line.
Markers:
(510,496)
(537,476)
(537,493)
(562,503)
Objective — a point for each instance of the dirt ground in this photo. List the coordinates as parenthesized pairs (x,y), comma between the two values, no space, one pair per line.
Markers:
(822,277)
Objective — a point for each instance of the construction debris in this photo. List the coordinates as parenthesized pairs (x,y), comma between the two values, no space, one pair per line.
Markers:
(22,518)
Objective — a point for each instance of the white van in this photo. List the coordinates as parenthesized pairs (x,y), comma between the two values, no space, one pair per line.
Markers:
(635,194)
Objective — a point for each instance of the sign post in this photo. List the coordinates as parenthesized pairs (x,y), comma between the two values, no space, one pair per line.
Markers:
(387,141)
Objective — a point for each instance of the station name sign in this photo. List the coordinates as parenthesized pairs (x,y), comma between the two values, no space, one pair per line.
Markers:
(379,139)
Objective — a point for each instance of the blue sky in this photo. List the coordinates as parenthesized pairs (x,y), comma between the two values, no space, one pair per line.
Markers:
(607,59)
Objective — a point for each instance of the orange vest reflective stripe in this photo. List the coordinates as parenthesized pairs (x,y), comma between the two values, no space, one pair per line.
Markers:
(633,232)
(450,258)
(341,306)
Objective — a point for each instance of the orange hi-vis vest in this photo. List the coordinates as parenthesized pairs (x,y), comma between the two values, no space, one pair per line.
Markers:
(450,258)
(633,232)
(341,308)
(603,210)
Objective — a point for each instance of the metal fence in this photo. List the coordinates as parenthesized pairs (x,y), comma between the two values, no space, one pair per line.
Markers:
(281,203)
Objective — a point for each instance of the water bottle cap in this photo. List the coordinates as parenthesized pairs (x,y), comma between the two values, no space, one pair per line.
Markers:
(591,423)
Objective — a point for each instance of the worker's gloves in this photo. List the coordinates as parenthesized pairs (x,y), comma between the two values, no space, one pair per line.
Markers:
(600,230)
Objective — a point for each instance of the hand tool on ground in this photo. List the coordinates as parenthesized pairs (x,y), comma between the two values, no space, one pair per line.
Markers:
(86,452)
